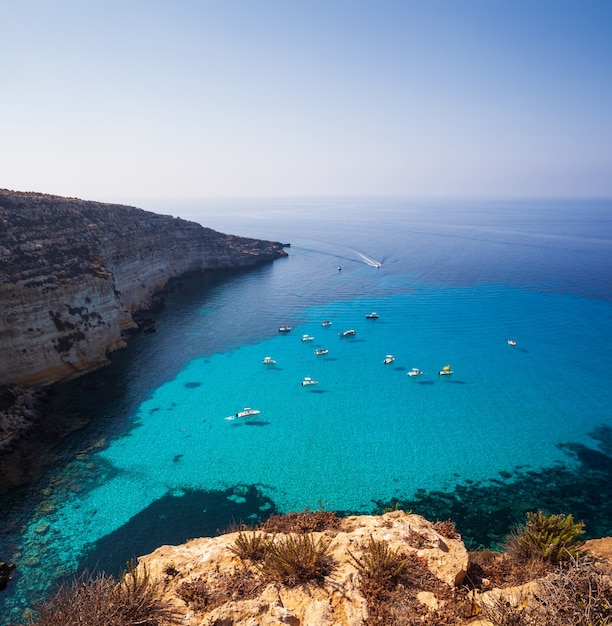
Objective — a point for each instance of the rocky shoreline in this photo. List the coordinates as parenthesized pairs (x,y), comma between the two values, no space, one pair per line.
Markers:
(77,279)
(73,274)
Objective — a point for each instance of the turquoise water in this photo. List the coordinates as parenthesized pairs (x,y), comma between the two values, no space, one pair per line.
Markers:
(159,461)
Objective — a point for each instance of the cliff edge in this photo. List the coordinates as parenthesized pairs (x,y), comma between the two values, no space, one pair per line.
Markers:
(73,272)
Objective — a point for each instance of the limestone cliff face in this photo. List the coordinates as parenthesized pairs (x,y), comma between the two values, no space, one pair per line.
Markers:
(72,273)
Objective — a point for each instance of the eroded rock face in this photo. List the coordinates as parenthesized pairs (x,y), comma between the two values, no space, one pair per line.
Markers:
(73,272)
(336,602)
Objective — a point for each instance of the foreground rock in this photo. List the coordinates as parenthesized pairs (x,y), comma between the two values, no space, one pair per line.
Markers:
(209,585)
(73,273)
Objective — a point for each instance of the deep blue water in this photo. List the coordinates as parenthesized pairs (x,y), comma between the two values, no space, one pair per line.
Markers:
(513,429)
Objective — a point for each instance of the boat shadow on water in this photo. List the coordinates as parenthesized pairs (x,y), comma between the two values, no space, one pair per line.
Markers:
(257,423)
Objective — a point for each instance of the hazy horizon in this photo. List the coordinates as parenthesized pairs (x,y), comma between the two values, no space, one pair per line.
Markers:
(201,99)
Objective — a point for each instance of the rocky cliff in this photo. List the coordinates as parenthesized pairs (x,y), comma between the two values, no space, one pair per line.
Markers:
(207,583)
(73,273)
(396,569)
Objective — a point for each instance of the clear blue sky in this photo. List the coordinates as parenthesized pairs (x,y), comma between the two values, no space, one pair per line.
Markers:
(120,99)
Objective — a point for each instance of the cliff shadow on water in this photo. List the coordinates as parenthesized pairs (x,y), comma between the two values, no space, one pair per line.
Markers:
(175,518)
(87,412)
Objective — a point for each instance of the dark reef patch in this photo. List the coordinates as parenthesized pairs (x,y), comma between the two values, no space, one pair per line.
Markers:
(174,519)
(486,512)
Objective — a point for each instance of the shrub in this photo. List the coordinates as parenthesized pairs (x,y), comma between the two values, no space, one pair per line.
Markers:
(297,559)
(553,538)
(380,563)
(251,545)
(101,601)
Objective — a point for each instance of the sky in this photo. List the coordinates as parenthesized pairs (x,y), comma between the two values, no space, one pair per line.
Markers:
(119,99)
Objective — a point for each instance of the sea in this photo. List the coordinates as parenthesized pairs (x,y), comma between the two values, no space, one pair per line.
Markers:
(515,428)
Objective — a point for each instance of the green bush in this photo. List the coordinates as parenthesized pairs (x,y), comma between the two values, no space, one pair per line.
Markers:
(552,538)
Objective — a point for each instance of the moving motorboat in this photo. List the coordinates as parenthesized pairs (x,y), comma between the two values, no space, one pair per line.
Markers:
(325,323)
(347,333)
(372,316)
(307,338)
(511,342)
(284,329)
(269,361)
(445,371)
(321,351)
(389,359)
(415,371)
(309,381)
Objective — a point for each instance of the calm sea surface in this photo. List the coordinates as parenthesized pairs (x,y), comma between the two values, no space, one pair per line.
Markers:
(514,428)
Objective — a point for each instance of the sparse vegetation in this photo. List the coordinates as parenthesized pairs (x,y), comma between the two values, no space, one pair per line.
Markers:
(303,522)
(575,594)
(390,582)
(446,529)
(200,594)
(380,563)
(571,589)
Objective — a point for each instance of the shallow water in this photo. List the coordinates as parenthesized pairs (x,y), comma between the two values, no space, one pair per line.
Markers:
(510,430)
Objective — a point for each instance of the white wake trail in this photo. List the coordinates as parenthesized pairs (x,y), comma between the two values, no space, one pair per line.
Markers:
(368,260)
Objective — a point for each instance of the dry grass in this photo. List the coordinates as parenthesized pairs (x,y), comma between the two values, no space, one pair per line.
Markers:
(446,529)
(101,601)
(303,522)
(498,569)
(204,594)
(573,594)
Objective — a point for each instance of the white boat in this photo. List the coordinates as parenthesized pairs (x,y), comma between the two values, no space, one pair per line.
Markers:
(269,361)
(325,323)
(415,371)
(247,412)
(321,351)
(389,359)
(372,316)
(445,371)
(309,381)
(347,333)
(511,342)
(307,338)
(284,329)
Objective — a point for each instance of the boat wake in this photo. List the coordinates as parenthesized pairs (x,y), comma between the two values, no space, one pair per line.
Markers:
(347,254)
(367,260)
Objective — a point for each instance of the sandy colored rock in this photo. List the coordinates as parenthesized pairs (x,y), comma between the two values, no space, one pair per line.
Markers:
(336,602)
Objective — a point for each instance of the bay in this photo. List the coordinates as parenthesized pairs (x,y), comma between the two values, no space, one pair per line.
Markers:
(513,428)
